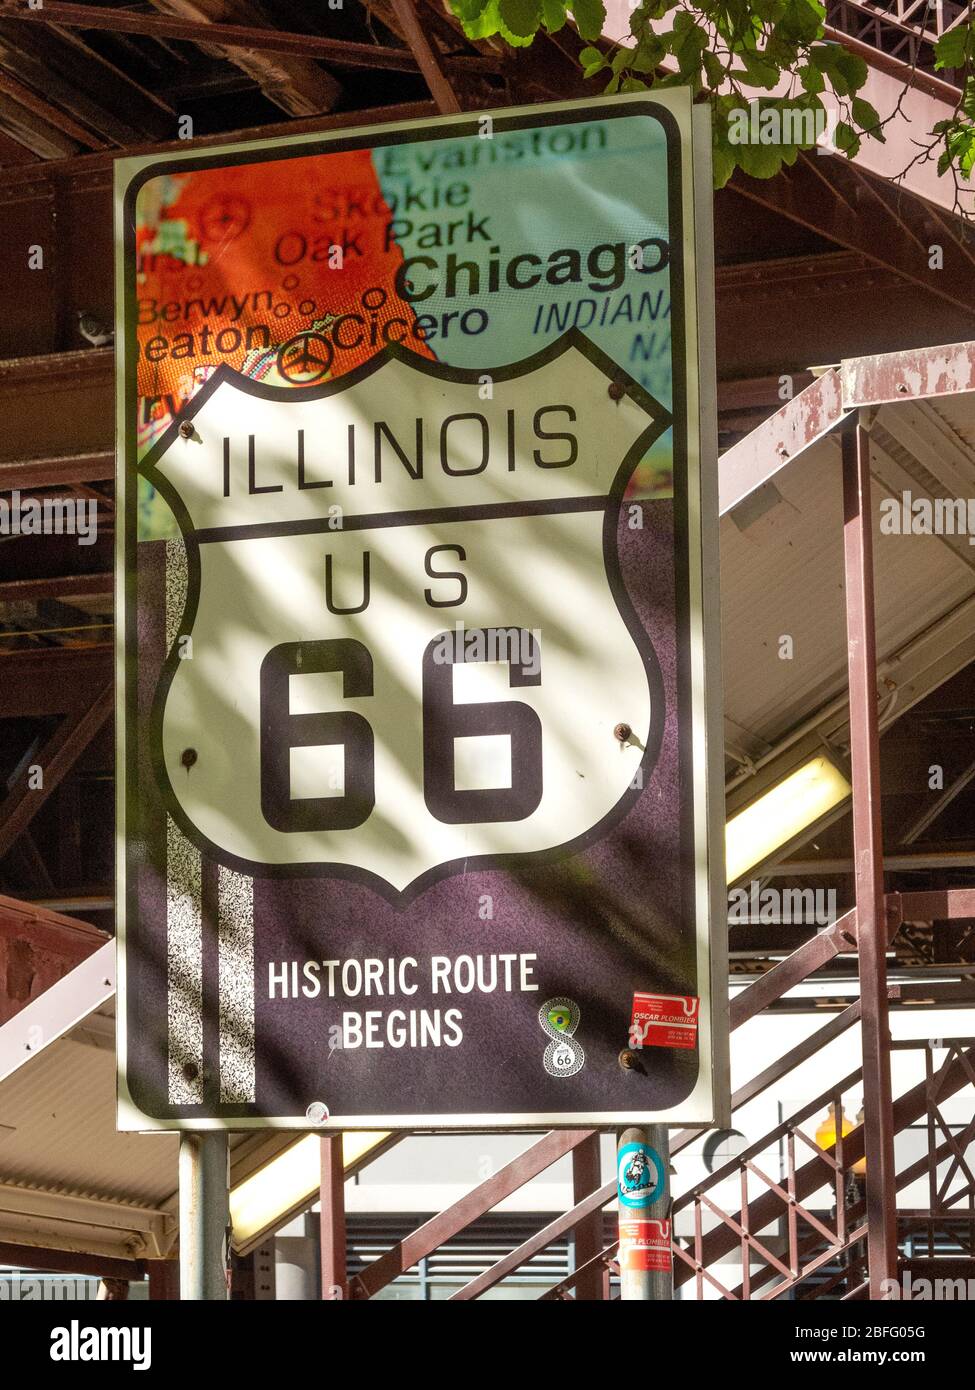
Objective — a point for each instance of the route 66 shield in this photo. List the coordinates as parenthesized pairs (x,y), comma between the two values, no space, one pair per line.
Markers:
(411,650)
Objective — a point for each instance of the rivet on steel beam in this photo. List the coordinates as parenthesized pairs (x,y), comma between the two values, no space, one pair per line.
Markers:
(616,390)
(188,757)
(186,429)
(623,732)
(902,387)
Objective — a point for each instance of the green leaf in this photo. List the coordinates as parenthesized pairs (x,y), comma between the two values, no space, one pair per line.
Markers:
(968,97)
(769,10)
(760,72)
(633,84)
(944,159)
(645,13)
(468,10)
(867,118)
(952,49)
(760,161)
(811,78)
(802,21)
(847,139)
(553,14)
(714,69)
(823,56)
(621,59)
(613,85)
(688,48)
(522,17)
(853,68)
(723,163)
(590,16)
(648,54)
(480,18)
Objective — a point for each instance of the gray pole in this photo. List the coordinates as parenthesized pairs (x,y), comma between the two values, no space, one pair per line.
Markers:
(204,1214)
(636,1284)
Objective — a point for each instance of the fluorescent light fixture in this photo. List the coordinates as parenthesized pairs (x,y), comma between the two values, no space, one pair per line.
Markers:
(788,808)
(289,1181)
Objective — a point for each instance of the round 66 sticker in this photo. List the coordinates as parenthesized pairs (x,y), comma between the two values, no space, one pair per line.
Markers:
(639,1175)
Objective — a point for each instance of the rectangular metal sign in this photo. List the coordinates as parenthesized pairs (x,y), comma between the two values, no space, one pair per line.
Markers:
(417,673)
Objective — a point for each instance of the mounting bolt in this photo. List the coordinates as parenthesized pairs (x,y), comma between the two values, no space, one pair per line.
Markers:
(616,390)
(188,757)
(623,733)
(628,1059)
(186,429)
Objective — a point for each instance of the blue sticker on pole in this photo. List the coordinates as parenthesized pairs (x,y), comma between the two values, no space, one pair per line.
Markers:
(639,1175)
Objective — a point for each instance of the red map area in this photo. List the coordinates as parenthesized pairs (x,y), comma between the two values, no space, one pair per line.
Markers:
(284,270)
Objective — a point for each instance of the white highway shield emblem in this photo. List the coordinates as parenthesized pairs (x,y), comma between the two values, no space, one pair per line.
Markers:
(410,642)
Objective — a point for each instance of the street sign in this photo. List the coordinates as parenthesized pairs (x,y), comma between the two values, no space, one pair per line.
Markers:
(419,769)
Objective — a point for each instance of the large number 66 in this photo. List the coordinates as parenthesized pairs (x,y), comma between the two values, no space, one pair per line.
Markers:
(443,722)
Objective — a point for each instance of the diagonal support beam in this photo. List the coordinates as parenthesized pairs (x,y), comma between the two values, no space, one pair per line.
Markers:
(427,57)
(445,1225)
(57,758)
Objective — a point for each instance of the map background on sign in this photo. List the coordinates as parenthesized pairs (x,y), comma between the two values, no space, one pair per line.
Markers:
(227,264)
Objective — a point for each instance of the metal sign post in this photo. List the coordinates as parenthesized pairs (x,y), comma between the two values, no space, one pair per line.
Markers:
(204,1215)
(643,1194)
(421,803)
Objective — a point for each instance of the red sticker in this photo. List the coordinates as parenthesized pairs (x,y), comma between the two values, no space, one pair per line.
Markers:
(664,1020)
(644,1244)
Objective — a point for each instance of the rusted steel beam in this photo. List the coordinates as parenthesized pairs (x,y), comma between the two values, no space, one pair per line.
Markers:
(909,375)
(332,1219)
(341,52)
(938,906)
(445,1225)
(69,1261)
(774,443)
(534,1245)
(57,757)
(163,1279)
(809,957)
(868,857)
(588,1235)
(428,58)
(597,1268)
(59,586)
